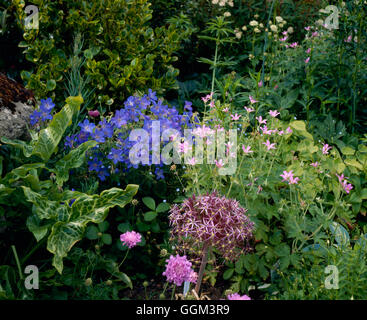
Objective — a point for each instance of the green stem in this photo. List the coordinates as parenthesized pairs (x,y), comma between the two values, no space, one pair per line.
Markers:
(17,261)
(173,292)
(204,261)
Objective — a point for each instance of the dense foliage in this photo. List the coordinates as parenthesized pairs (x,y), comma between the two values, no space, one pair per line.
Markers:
(220,144)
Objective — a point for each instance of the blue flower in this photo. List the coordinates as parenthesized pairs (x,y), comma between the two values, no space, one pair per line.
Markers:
(35,117)
(45,113)
(116,155)
(99,135)
(102,174)
(159,173)
(119,119)
(95,165)
(106,128)
(47,104)
(87,126)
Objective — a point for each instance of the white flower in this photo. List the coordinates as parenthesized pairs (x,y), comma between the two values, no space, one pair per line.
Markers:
(244,28)
(230,3)
(227,14)
(273,28)
(290,30)
(253,23)
(261,25)
(257,30)
(278,19)
(215,1)
(320,22)
(256,16)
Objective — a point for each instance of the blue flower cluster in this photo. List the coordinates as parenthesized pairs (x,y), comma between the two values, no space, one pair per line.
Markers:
(43,113)
(112,134)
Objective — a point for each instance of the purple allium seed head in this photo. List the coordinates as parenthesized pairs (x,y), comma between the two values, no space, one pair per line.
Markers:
(130,238)
(178,270)
(216,221)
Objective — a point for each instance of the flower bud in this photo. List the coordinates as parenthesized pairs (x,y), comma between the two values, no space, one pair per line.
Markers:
(88,282)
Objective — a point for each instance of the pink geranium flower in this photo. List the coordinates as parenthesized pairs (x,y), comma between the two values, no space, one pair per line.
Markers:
(269,145)
(325,149)
(247,149)
(252,100)
(249,109)
(235,117)
(274,113)
(261,120)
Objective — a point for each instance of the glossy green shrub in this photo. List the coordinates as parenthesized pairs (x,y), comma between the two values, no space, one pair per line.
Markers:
(122,52)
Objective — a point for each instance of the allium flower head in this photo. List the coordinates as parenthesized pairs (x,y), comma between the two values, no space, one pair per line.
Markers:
(130,238)
(212,220)
(178,270)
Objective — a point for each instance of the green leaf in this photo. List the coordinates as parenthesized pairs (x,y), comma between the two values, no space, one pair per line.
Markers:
(149,216)
(348,151)
(300,127)
(72,160)
(125,278)
(228,274)
(33,224)
(353,163)
(340,233)
(19,144)
(123,227)
(50,85)
(50,137)
(162,207)
(103,226)
(107,239)
(86,208)
(149,202)
(92,233)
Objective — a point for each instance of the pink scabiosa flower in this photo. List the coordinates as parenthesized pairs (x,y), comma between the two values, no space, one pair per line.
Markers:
(308,28)
(226,109)
(252,100)
(325,148)
(307,60)
(130,238)
(211,220)
(308,50)
(260,84)
(315,164)
(178,270)
(236,296)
